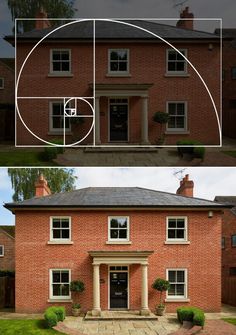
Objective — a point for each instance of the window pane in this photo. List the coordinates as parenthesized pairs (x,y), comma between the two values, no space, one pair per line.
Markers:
(179,56)
(180,108)
(180,289)
(172,55)
(114,55)
(56,289)
(65,290)
(114,66)
(172,109)
(65,66)
(65,276)
(56,278)
(172,276)
(180,276)
(171,233)
(171,66)
(64,223)
(114,223)
(1,250)
(180,233)
(171,122)
(65,233)
(179,66)
(233,71)
(123,233)
(122,222)
(180,223)
(180,122)
(122,54)
(114,233)
(123,66)
(65,55)
(56,66)
(56,233)
(56,223)
(56,55)
(171,290)
(57,110)
(234,240)
(172,223)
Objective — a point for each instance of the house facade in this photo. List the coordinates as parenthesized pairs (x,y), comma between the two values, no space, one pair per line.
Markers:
(117,241)
(7,99)
(117,75)
(7,248)
(228,250)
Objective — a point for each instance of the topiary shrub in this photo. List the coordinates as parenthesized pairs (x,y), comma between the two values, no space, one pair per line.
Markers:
(60,312)
(77,286)
(161,285)
(53,315)
(161,118)
(193,314)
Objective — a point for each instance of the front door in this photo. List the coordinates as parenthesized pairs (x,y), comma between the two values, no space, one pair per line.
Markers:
(119,120)
(118,290)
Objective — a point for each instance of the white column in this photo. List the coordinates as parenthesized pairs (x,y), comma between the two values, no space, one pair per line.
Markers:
(96,291)
(144,297)
(144,120)
(97,120)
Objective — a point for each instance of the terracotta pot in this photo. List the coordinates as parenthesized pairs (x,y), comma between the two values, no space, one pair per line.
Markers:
(76,311)
(160,310)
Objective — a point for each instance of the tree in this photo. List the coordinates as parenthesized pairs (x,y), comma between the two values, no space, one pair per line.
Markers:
(23,181)
(29,9)
(161,285)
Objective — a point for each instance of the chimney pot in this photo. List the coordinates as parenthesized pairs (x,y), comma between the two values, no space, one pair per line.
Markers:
(185,24)
(41,21)
(41,187)
(186,187)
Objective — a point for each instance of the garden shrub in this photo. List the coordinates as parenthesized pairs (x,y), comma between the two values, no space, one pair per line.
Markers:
(54,314)
(193,314)
(189,147)
(51,153)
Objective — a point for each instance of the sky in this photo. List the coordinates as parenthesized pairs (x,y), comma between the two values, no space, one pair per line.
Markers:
(135,9)
(208,182)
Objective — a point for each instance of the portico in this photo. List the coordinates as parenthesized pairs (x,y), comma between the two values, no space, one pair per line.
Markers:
(123,259)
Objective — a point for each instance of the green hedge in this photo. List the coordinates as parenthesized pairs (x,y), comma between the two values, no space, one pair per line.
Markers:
(193,314)
(189,147)
(53,315)
(51,153)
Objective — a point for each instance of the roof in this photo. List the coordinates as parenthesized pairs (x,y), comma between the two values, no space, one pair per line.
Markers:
(226,32)
(113,197)
(10,230)
(9,62)
(113,30)
(229,200)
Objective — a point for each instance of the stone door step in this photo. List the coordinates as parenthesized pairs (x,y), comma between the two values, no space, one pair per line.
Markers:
(119,315)
(121,149)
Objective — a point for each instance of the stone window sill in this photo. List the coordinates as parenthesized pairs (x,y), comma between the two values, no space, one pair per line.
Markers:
(176,132)
(118,75)
(60,300)
(118,242)
(177,300)
(62,75)
(60,242)
(1,255)
(177,242)
(175,75)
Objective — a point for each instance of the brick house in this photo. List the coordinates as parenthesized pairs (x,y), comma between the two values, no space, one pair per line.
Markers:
(126,74)
(7,99)
(7,248)
(228,250)
(229,82)
(117,241)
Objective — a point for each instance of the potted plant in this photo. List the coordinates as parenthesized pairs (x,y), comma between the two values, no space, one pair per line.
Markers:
(161,285)
(76,286)
(161,118)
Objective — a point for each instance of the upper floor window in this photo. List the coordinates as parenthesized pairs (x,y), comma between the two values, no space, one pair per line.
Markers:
(223,243)
(60,284)
(1,250)
(178,283)
(176,64)
(176,229)
(57,120)
(177,116)
(118,61)
(233,238)
(60,61)
(60,228)
(118,228)
(233,72)
(1,83)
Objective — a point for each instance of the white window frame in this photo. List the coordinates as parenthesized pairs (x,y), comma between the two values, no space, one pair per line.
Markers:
(185,62)
(51,62)
(178,297)
(51,296)
(117,240)
(56,130)
(176,240)
(51,229)
(109,62)
(2,254)
(3,83)
(176,130)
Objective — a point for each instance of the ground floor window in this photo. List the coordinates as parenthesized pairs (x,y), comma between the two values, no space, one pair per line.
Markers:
(60,283)
(1,250)
(57,117)
(178,283)
(177,116)
(1,83)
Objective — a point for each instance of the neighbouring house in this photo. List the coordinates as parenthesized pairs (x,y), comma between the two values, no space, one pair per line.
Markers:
(229,82)
(7,248)
(228,250)
(123,70)
(7,99)
(117,241)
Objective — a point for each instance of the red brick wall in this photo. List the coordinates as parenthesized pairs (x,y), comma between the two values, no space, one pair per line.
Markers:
(147,65)
(34,257)
(8,261)
(7,95)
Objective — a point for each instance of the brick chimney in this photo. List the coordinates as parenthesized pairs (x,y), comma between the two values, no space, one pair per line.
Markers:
(41,187)
(41,21)
(186,24)
(186,187)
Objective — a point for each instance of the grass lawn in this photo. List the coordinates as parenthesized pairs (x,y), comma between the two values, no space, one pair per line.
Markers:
(230,320)
(22,158)
(230,153)
(25,327)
